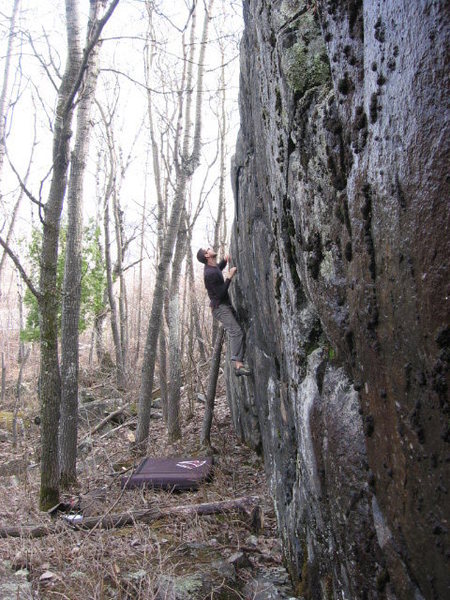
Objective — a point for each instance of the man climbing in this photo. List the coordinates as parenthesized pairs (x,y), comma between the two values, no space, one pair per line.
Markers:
(222,310)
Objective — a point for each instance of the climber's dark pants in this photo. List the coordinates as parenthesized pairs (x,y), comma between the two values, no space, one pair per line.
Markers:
(224,314)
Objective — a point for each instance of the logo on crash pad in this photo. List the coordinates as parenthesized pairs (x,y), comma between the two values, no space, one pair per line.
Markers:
(191,464)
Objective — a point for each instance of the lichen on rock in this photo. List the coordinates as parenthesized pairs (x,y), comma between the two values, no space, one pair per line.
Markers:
(305,63)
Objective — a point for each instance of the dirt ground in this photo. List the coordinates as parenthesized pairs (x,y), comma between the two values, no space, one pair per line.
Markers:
(159,560)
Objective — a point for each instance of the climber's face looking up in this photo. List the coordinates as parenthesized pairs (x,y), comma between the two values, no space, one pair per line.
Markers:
(210,253)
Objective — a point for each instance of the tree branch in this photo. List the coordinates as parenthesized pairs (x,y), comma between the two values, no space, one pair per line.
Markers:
(21,183)
(21,270)
(95,34)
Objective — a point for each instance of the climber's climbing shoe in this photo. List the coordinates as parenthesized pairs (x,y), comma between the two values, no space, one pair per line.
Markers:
(243,371)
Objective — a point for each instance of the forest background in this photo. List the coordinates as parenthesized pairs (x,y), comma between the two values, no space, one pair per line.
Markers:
(117,125)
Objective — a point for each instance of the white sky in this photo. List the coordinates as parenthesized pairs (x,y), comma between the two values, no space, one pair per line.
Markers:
(43,22)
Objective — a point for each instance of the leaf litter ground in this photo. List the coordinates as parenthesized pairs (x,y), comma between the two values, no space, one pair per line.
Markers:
(216,557)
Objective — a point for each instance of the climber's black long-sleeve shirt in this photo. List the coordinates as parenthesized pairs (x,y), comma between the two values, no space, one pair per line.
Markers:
(215,285)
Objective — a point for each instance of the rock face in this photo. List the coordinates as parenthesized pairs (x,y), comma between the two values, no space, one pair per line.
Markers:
(341,240)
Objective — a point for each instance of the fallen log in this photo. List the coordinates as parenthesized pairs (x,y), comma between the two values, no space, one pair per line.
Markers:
(247,505)
(30,531)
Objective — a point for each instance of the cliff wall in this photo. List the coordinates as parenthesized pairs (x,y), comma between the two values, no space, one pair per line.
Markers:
(341,240)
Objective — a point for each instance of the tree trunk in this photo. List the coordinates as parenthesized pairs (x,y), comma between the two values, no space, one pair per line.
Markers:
(218,242)
(123,312)
(139,298)
(4,91)
(18,397)
(49,378)
(21,352)
(163,369)
(3,391)
(211,392)
(98,332)
(112,303)
(183,321)
(173,404)
(101,312)
(194,305)
(72,272)
(220,228)
(188,165)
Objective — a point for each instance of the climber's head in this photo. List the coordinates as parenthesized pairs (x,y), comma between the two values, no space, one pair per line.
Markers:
(203,255)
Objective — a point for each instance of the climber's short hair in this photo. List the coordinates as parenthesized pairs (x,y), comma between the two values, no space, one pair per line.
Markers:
(201,256)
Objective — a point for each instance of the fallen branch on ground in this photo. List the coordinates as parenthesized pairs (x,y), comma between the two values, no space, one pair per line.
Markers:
(155,394)
(111,432)
(106,420)
(247,505)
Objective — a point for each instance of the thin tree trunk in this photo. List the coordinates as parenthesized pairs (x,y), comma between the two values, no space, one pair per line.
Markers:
(3,392)
(163,369)
(211,392)
(188,165)
(156,317)
(190,361)
(139,298)
(18,397)
(112,303)
(4,91)
(218,240)
(21,352)
(72,273)
(162,201)
(98,329)
(173,405)
(195,312)
(183,324)
(149,54)
(101,314)
(221,209)
(123,313)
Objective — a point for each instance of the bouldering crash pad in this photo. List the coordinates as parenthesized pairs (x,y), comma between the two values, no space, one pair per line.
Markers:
(170,473)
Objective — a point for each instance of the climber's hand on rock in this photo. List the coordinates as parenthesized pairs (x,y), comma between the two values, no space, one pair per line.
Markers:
(231,272)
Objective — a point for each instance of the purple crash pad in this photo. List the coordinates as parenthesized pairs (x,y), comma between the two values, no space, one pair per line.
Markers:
(170,473)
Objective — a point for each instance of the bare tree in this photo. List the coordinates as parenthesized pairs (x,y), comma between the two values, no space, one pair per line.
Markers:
(120,366)
(116,166)
(220,224)
(101,312)
(111,192)
(4,90)
(71,297)
(188,163)
(161,196)
(49,377)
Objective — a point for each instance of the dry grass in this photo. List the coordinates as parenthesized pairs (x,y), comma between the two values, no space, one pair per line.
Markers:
(129,562)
